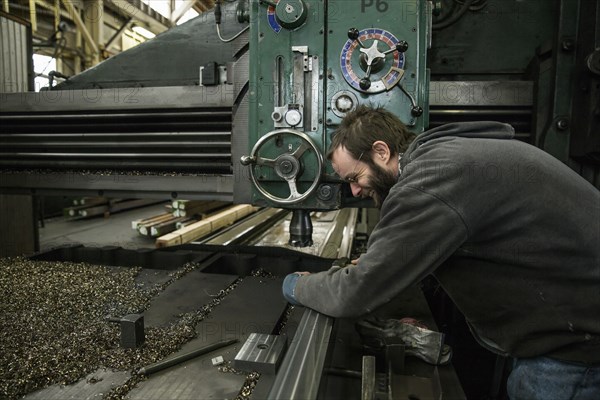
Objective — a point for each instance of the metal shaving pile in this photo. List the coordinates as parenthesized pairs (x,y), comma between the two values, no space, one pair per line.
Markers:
(54,328)
(249,384)
(53,321)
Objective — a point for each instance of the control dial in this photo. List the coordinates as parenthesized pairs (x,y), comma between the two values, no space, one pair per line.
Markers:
(378,64)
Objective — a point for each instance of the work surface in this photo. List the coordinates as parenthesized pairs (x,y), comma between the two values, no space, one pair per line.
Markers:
(208,297)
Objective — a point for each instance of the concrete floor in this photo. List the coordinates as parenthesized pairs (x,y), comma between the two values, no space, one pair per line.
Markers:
(114,230)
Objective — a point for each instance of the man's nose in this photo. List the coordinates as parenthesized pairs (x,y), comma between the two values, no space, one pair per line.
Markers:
(356,189)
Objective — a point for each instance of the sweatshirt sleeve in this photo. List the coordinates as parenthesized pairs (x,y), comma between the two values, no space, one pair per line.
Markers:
(417,231)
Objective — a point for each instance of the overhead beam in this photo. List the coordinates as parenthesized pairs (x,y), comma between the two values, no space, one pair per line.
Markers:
(141,12)
(32,15)
(206,4)
(55,8)
(95,21)
(74,13)
(118,33)
(179,12)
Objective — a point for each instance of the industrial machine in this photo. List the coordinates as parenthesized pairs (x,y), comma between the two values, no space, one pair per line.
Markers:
(240,104)
(309,67)
(311,64)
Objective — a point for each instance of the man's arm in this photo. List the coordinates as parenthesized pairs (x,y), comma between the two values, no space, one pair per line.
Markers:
(416,233)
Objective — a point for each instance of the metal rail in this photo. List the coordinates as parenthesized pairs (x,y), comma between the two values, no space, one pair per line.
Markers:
(300,373)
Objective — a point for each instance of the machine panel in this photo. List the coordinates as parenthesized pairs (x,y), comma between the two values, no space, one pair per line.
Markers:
(315,61)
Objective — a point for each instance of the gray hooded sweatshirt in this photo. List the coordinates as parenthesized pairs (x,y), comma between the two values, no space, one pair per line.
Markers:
(510,232)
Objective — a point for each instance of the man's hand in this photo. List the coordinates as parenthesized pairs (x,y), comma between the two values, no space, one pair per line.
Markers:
(289,286)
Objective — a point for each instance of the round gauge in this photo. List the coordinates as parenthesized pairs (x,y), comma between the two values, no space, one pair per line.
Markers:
(343,102)
(386,63)
(293,117)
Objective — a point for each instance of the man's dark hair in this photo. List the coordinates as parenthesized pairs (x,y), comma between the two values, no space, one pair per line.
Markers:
(365,125)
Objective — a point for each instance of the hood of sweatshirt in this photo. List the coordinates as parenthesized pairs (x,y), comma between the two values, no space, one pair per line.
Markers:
(477,129)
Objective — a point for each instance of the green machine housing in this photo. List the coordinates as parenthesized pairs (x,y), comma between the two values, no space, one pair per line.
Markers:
(312,62)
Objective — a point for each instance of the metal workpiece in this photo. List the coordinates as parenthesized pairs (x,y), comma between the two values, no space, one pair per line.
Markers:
(332,234)
(300,373)
(262,353)
(248,229)
(164,364)
(132,330)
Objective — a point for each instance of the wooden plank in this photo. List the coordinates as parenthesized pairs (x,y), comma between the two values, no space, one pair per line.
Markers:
(205,226)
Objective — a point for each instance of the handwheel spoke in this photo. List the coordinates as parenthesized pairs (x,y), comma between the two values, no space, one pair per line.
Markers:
(293,189)
(300,150)
(265,161)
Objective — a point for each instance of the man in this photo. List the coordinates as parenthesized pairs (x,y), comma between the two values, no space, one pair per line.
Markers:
(510,233)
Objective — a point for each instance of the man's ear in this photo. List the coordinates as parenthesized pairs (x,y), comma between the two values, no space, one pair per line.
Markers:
(381,152)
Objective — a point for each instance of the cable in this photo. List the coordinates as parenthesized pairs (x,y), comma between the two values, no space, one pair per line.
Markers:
(59,46)
(455,17)
(218,23)
(232,38)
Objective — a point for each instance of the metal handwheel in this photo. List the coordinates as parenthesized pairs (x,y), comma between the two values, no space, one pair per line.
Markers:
(287,165)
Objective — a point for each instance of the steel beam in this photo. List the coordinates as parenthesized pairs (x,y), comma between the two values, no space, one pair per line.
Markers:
(74,13)
(205,187)
(141,12)
(182,9)
(134,98)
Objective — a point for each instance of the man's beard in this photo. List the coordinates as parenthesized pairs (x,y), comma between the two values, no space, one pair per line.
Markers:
(380,183)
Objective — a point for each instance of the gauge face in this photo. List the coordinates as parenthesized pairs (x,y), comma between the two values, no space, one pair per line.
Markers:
(392,70)
(293,117)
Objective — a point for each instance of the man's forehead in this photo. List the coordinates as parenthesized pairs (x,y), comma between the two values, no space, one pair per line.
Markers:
(340,160)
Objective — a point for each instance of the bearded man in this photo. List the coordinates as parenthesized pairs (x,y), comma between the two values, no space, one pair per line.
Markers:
(510,233)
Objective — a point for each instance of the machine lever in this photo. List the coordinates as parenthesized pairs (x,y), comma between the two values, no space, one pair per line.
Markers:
(247,160)
(400,47)
(354,34)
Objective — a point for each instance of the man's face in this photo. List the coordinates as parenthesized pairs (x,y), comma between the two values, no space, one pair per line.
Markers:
(365,180)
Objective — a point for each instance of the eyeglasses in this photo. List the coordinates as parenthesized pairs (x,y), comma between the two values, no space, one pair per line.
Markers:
(353,177)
